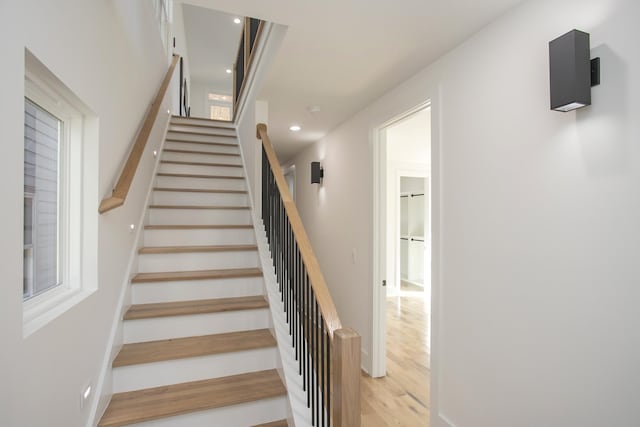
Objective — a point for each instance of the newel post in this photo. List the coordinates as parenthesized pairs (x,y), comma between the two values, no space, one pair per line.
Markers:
(346,378)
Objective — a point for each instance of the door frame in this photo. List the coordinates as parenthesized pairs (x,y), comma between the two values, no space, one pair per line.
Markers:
(379,150)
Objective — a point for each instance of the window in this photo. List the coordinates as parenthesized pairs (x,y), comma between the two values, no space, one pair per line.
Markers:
(219,106)
(60,184)
(43,137)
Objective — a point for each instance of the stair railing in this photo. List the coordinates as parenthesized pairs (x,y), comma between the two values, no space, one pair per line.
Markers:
(251,32)
(328,355)
(121,189)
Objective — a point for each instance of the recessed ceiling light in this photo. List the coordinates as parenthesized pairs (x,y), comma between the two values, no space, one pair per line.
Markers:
(294,128)
(228,70)
(237,20)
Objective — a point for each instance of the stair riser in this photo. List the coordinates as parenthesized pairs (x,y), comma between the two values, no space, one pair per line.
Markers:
(161,328)
(202,129)
(202,147)
(148,263)
(147,375)
(246,414)
(198,237)
(194,199)
(201,170)
(199,216)
(210,158)
(201,183)
(143,293)
(202,138)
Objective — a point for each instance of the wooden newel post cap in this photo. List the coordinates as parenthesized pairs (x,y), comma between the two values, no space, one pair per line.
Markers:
(260,127)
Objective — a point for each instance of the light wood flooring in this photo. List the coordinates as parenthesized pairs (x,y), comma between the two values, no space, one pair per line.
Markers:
(402,397)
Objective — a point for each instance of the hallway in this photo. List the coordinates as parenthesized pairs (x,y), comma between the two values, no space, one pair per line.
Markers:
(402,397)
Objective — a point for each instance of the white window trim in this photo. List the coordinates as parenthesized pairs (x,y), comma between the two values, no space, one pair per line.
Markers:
(77,275)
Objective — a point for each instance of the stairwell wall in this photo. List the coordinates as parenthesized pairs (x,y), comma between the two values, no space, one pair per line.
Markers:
(109,53)
(538,236)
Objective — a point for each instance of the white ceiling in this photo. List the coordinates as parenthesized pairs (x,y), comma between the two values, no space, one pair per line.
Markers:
(212,40)
(342,55)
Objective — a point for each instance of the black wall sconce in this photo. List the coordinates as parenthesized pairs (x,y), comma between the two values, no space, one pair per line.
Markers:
(317,173)
(571,71)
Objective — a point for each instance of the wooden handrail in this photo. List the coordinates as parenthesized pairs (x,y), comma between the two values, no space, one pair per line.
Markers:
(341,397)
(318,284)
(121,189)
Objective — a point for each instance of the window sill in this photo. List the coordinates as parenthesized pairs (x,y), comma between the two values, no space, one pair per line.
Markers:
(41,310)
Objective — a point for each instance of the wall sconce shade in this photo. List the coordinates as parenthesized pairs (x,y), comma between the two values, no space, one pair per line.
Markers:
(570,71)
(317,173)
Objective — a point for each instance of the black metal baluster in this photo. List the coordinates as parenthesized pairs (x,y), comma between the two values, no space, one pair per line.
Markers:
(303,357)
(322,367)
(313,360)
(316,351)
(308,333)
(329,394)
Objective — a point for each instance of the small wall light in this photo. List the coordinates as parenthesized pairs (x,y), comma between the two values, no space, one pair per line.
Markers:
(571,71)
(317,173)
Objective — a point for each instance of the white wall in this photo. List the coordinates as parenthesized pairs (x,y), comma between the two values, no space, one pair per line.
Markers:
(537,234)
(108,53)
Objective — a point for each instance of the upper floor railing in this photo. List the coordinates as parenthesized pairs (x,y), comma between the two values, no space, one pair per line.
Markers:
(251,32)
(121,189)
(328,355)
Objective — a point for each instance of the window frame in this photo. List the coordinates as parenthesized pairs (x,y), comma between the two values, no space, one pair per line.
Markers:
(77,276)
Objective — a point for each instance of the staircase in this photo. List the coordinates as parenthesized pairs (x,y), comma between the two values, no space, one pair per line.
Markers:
(198,350)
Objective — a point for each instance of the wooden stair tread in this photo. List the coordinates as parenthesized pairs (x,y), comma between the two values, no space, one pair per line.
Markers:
(202,248)
(212,153)
(190,132)
(159,402)
(197,227)
(232,208)
(199,190)
(171,276)
(181,348)
(191,175)
(177,162)
(279,423)
(182,308)
(186,141)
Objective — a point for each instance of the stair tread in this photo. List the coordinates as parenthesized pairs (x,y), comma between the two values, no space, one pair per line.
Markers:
(170,276)
(197,227)
(179,162)
(175,150)
(199,248)
(279,423)
(191,132)
(199,190)
(181,348)
(159,402)
(198,207)
(192,175)
(186,141)
(181,308)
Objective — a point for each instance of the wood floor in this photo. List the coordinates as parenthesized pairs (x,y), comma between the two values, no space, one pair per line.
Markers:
(402,397)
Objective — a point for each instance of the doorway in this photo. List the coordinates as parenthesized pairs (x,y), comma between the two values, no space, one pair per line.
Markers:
(402,246)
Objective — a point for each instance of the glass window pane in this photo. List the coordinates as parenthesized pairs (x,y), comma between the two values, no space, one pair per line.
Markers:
(42,133)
